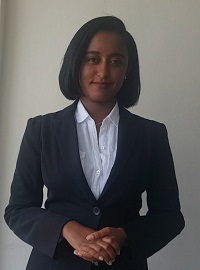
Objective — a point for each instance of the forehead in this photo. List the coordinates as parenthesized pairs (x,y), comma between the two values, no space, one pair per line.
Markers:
(108,42)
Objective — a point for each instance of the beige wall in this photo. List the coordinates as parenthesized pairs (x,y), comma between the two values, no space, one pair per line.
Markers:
(168,38)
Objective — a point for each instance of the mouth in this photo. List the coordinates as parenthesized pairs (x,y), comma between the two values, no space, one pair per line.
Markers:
(101,84)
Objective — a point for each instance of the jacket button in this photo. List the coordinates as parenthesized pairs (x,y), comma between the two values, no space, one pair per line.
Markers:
(96,211)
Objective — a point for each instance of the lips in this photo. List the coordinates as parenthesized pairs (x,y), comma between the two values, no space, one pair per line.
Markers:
(101,84)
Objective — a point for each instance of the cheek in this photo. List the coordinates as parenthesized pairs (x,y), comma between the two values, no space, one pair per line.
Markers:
(120,78)
(120,73)
(119,83)
(83,76)
(85,73)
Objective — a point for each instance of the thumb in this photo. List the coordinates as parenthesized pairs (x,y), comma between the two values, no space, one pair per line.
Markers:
(95,235)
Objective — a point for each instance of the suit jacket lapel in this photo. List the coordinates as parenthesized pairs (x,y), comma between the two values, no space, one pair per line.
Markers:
(127,134)
(67,139)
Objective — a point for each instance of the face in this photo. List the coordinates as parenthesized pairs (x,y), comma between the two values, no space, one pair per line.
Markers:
(103,68)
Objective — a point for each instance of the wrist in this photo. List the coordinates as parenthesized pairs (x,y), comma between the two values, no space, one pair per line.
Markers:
(67,228)
(123,236)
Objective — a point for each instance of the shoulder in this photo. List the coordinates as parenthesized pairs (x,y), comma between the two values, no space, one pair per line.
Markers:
(47,124)
(142,123)
(53,116)
(150,133)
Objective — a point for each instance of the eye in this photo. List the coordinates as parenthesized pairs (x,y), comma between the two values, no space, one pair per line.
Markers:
(116,61)
(93,60)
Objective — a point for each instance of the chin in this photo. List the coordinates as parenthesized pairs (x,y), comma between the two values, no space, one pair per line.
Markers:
(103,100)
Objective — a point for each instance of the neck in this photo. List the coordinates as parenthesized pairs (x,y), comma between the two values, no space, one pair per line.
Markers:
(98,111)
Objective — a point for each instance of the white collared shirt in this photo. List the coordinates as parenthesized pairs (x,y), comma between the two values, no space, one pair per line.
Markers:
(97,155)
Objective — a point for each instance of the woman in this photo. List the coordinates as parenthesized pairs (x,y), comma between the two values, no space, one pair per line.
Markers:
(96,159)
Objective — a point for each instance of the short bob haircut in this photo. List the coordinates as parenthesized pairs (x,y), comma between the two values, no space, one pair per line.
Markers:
(69,73)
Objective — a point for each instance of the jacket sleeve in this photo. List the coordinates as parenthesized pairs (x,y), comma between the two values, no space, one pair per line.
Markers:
(24,214)
(164,220)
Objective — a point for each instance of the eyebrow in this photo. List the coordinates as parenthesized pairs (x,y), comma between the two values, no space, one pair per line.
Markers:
(112,54)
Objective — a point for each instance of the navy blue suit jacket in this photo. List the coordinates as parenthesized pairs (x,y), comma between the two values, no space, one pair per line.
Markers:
(49,156)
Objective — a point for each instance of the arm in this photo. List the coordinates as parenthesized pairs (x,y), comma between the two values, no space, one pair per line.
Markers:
(164,219)
(148,234)
(38,227)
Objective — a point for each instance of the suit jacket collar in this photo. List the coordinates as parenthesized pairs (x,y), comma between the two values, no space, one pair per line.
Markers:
(66,134)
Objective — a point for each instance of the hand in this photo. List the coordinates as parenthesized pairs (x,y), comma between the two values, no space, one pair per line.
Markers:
(116,237)
(111,239)
(94,250)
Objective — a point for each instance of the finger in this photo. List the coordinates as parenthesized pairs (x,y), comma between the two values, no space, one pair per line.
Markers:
(98,234)
(92,252)
(85,256)
(102,251)
(98,252)
(108,248)
(114,244)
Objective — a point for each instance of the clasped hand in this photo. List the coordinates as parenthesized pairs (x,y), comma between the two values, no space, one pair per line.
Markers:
(94,246)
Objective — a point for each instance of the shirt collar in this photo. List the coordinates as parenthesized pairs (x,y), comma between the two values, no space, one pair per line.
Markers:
(81,114)
(114,115)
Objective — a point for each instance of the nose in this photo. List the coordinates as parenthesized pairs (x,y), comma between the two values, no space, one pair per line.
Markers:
(103,70)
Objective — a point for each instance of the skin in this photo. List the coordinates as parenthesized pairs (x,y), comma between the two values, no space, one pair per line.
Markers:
(101,76)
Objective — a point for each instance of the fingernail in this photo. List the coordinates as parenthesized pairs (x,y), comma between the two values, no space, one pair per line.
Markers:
(77,253)
(100,258)
(89,237)
(118,252)
(110,263)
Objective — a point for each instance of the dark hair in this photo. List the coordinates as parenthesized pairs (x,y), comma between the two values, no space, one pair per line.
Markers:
(69,73)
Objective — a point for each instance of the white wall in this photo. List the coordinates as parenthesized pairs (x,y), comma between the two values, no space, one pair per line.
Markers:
(1,32)
(168,38)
